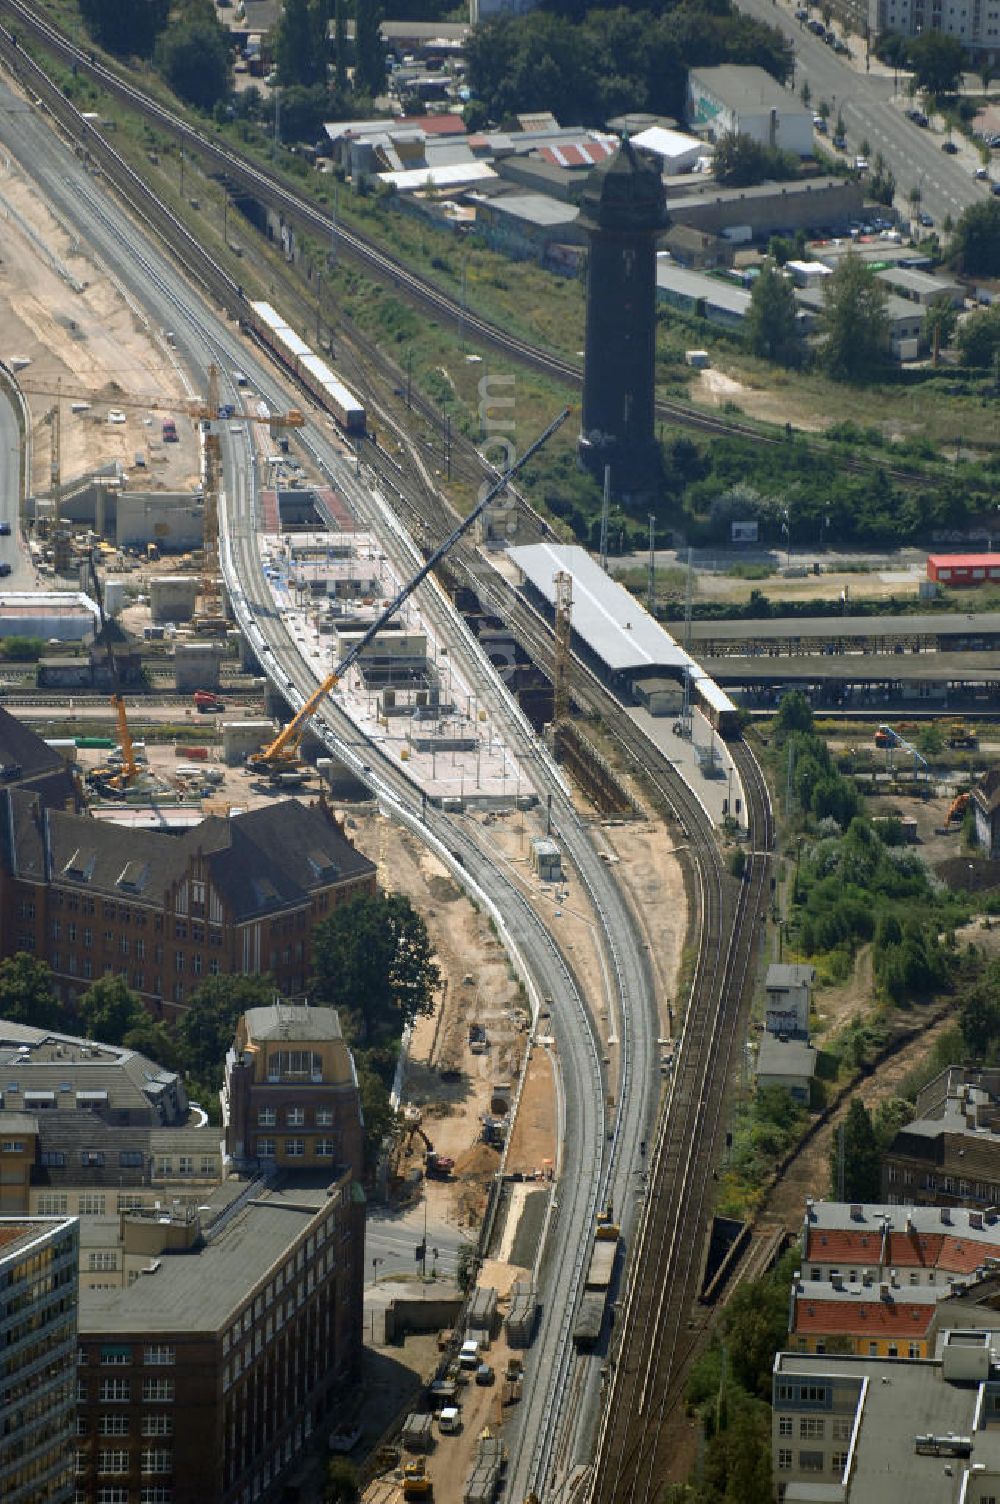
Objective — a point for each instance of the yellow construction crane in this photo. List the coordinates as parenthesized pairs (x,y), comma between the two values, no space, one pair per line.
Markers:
(283,754)
(115,780)
(202,408)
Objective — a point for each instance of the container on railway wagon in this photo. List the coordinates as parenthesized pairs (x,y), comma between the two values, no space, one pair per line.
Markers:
(718,708)
(314,373)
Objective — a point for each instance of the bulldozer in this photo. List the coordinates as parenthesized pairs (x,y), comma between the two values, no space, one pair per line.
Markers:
(416,1484)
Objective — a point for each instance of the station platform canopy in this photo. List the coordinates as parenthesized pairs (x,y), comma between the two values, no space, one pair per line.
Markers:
(612,623)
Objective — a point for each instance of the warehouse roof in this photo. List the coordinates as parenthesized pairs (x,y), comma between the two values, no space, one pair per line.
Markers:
(742,87)
(609,620)
(696,285)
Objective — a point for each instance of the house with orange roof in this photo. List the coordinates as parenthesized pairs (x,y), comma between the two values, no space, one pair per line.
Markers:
(864,1246)
(870,1323)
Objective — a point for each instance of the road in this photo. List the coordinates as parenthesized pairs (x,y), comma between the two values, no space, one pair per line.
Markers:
(22,575)
(597,1162)
(873,111)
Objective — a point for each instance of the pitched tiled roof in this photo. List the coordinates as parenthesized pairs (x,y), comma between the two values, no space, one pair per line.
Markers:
(874,1318)
(844,1245)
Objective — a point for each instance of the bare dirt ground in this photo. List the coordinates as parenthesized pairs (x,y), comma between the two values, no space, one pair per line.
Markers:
(89,342)
(898,584)
(714,388)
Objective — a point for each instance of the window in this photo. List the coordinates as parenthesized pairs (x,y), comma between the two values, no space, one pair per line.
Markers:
(811,1427)
(196,964)
(157,1460)
(294,1147)
(838,1461)
(178,960)
(157,1425)
(156,1493)
(295,1117)
(324,1117)
(185,1165)
(810,1462)
(113,1425)
(130,1159)
(157,1390)
(113,1355)
(123,945)
(267,1117)
(208,1165)
(784,1459)
(282,1064)
(213,966)
(88,936)
(873,1349)
(784,1425)
(115,1391)
(140,950)
(112,1496)
(159,1355)
(53,1206)
(324,1148)
(91,1159)
(265,1148)
(840,1428)
(126,1203)
(102,1261)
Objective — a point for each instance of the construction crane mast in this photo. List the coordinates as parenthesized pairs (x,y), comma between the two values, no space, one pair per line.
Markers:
(119,780)
(282,755)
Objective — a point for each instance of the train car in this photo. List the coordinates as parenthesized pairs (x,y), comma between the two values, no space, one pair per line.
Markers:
(315,375)
(590,1315)
(716,706)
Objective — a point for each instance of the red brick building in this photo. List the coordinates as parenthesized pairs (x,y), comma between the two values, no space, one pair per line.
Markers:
(161,910)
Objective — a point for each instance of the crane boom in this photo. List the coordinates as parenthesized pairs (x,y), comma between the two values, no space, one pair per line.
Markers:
(286,743)
(130,767)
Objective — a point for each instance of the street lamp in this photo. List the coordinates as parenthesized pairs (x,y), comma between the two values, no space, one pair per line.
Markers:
(375,1264)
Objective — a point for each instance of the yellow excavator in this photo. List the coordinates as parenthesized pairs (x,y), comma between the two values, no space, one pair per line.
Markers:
(283,755)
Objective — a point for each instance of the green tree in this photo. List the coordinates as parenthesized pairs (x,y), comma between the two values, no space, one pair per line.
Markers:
(109,1009)
(27,995)
(153,1039)
(854,322)
(208,1023)
(976,241)
(772,325)
(296,56)
(862,1167)
(881,181)
(193,57)
(739,161)
(129,29)
(937,61)
(342,1483)
(978,339)
(794,714)
(373,963)
(339,47)
(806,94)
(890,1115)
(980,1016)
(376,1106)
(939,322)
(465,1274)
(369,49)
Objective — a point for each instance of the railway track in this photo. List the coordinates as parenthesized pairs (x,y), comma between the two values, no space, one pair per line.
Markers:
(678,1185)
(271,190)
(657,1338)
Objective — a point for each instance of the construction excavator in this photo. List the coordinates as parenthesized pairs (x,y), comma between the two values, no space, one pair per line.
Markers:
(283,756)
(436,1166)
(959,805)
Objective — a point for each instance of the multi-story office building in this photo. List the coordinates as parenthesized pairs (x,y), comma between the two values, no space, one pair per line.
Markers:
(165,911)
(290,1095)
(38,1312)
(849,1430)
(974,23)
(949,1155)
(201,1381)
(93,1130)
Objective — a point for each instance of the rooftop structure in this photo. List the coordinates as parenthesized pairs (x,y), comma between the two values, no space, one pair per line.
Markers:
(852,1430)
(963,569)
(788,1063)
(749,101)
(911,1245)
(69,615)
(38,1307)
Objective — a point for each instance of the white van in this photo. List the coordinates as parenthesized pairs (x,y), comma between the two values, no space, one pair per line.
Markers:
(468,1358)
(450,1420)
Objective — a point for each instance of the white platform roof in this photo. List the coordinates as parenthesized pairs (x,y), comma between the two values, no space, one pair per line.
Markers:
(453,176)
(609,620)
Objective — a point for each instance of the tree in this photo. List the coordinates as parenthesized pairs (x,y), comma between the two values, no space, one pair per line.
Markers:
(978,339)
(937,61)
(27,995)
(369,49)
(130,29)
(339,47)
(854,322)
(194,59)
(109,1009)
(342,1485)
(794,714)
(296,56)
(976,242)
(149,1037)
(940,320)
(806,94)
(376,1106)
(208,1024)
(861,1164)
(739,161)
(881,181)
(915,198)
(373,962)
(772,324)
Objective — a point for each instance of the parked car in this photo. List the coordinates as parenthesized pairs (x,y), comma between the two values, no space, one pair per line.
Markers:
(484,1374)
(927,220)
(819,124)
(4,569)
(840,142)
(861,165)
(949,147)
(4,529)
(982,174)
(841,46)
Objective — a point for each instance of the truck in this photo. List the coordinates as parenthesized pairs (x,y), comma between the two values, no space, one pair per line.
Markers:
(169,431)
(206,700)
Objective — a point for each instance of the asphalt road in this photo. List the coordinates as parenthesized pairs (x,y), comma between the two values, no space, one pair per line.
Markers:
(596,1163)
(872,111)
(22,576)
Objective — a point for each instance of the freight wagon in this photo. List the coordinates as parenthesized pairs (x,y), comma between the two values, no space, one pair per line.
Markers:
(307,367)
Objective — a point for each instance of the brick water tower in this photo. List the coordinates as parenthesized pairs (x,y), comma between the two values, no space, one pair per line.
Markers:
(623,210)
